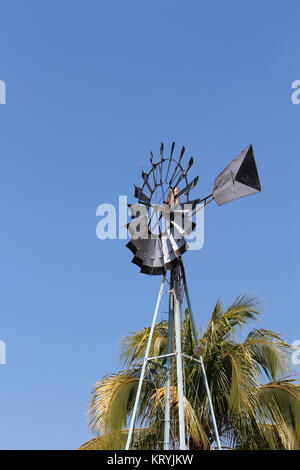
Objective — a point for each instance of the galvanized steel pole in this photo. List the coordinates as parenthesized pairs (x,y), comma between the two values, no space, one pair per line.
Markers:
(130,433)
(169,365)
(177,315)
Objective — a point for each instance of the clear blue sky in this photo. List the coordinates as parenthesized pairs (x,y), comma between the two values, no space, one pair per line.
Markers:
(91,87)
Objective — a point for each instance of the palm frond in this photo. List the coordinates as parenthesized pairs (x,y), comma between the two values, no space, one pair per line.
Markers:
(193,426)
(133,347)
(280,402)
(110,402)
(223,323)
(144,440)
(269,351)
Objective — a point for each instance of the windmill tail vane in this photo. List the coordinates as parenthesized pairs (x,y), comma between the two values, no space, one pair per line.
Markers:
(161,220)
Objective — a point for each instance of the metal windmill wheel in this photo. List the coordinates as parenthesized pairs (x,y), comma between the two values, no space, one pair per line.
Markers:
(162,218)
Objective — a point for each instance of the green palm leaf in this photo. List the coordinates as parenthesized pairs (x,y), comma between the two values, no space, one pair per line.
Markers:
(250,413)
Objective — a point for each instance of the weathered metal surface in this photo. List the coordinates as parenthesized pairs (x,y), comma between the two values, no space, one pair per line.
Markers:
(239,179)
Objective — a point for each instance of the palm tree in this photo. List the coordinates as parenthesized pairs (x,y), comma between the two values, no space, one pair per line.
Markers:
(257,406)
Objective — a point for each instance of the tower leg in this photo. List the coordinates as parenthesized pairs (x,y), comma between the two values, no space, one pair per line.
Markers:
(169,366)
(138,393)
(212,413)
(211,408)
(177,309)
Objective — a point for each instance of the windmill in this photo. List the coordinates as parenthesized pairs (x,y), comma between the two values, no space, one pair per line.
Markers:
(161,220)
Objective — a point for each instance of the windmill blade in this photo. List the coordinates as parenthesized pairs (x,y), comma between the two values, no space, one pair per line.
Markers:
(183,174)
(153,255)
(147,255)
(178,246)
(185,228)
(140,195)
(168,254)
(161,160)
(239,179)
(153,249)
(131,245)
(137,247)
(153,168)
(170,160)
(136,210)
(187,188)
(153,270)
(161,151)
(153,261)
(145,178)
(162,154)
(177,165)
(180,230)
(138,228)
(153,266)
(137,261)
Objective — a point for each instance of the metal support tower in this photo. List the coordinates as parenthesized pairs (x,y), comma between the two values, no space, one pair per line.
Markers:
(173,350)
